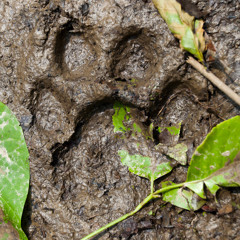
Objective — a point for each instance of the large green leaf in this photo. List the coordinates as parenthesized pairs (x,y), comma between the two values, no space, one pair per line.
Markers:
(215,163)
(228,176)
(219,147)
(14,169)
(145,166)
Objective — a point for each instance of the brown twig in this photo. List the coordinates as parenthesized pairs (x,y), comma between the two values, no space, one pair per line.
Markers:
(214,80)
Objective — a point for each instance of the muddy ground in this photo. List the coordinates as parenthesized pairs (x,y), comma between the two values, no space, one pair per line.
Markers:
(63,64)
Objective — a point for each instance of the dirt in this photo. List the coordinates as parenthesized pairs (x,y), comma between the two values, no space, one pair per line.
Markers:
(63,65)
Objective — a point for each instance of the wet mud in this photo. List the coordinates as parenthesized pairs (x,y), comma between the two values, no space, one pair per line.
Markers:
(63,65)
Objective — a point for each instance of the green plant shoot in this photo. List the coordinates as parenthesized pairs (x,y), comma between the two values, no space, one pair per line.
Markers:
(146,167)
(215,164)
(14,169)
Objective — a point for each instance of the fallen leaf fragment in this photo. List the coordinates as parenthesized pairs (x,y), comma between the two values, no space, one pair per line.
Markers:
(183,26)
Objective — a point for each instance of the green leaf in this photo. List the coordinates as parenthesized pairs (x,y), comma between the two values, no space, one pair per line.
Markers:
(214,162)
(197,187)
(182,198)
(189,43)
(170,145)
(14,169)
(219,147)
(228,176)
(138,138)
(120,116)
(173,130)
(169,136)
(144,166)
(178,152)
(125,120)
(137,128)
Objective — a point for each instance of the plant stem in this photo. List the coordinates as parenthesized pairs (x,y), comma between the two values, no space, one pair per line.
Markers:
(144,202)
(166,189)
(152,186)
(216,81)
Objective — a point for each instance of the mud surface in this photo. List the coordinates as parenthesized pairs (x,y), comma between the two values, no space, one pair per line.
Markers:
(63,64)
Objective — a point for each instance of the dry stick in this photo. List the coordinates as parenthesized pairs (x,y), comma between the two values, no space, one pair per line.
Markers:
(215,80)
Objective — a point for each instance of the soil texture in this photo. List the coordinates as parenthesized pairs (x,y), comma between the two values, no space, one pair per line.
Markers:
(63,64)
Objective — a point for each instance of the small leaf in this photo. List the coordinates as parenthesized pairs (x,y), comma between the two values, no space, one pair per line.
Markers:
(125,121)
(190,43)
(14,169)
(137,128)
(121,114)
(147,162)
(174,130)
(169,135)
(144,166)
(197,187)
(182,198)
(178,152)
(151,127)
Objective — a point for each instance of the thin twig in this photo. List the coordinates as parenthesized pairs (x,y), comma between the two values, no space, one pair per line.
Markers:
(140,206)
(214,80)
